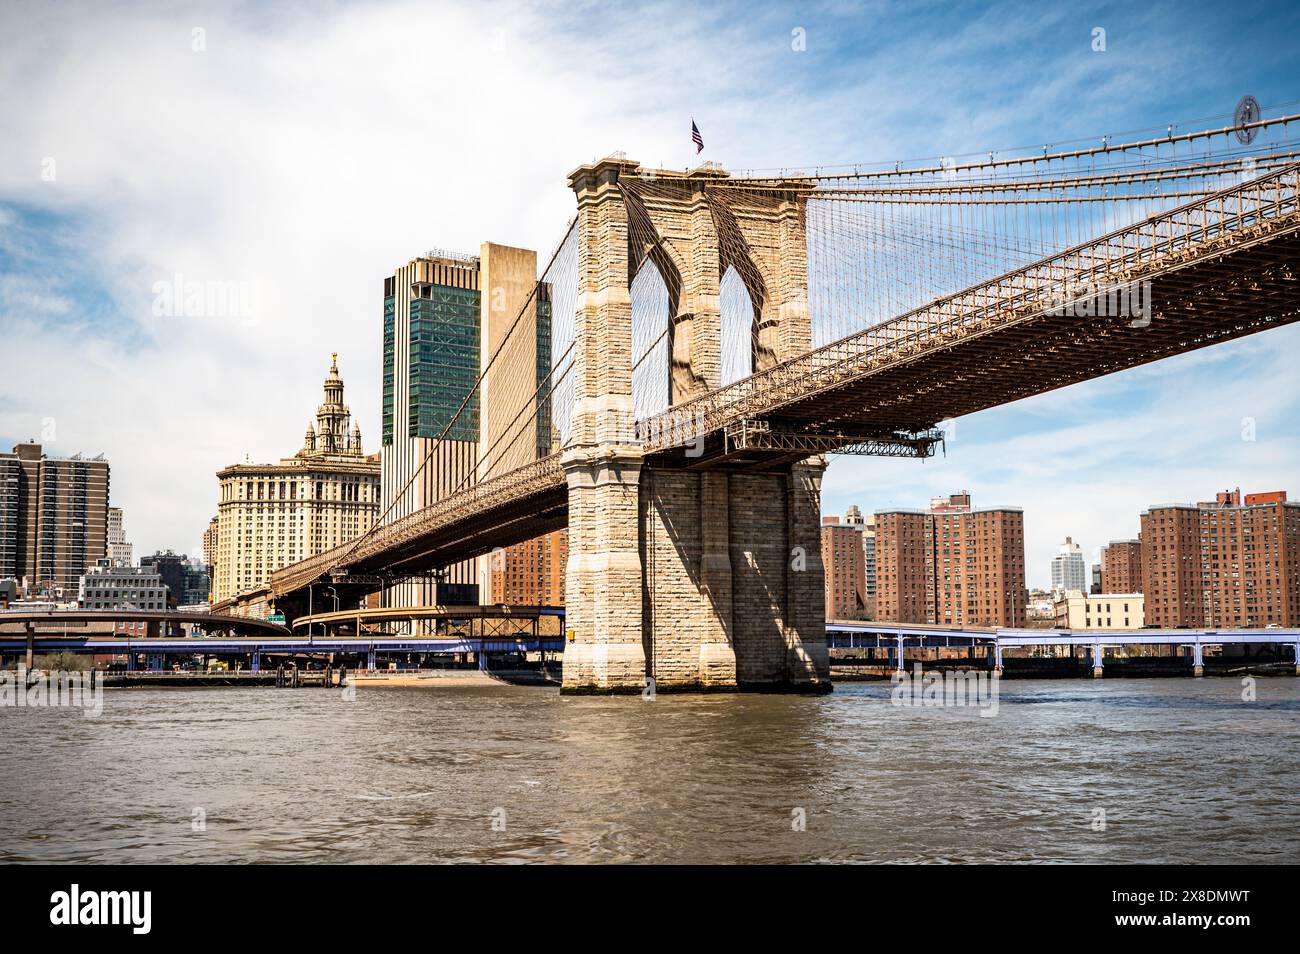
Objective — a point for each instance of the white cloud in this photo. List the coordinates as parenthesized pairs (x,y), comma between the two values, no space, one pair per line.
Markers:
(305,156)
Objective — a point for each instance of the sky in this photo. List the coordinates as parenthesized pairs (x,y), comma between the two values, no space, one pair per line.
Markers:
(297,153)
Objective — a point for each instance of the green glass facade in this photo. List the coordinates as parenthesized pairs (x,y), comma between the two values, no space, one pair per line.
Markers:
(544,368)
(390,332)
(444,363)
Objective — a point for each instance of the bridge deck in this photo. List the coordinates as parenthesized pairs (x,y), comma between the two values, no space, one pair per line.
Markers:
(1219,268)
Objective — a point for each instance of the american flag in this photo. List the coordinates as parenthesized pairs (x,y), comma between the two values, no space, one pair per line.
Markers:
(697,138)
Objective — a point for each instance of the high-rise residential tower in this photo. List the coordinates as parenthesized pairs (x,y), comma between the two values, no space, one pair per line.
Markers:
(952,565)
(53,519)
(531,573)
(1069,571)
(843,566)
(1222,563)
(869,562)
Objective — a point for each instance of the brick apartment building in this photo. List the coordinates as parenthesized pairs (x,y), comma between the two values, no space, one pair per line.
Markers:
(531,573)
(951,564)
(53,519)
(902,540)
(1121,567)
(1228,562)
(844,566)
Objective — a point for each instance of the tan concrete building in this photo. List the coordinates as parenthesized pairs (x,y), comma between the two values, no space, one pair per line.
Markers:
(952,565)
(119,550)
(1223,563)
(53,519)
(271,515)
(1121,567)
(1078,610)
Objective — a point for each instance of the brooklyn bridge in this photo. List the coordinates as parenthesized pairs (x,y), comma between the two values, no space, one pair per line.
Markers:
(717,334)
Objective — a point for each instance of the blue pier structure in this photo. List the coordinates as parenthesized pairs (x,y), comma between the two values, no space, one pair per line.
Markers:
(897,638)
(344,636)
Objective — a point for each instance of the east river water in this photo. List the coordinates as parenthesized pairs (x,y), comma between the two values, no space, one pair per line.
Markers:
(1184,771)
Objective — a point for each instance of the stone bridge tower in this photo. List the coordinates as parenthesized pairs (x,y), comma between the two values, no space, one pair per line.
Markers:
(703,577)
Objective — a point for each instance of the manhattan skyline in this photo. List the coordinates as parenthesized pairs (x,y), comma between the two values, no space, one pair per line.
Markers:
(311,175)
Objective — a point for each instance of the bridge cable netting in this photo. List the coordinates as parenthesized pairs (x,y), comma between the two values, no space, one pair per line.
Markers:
(855,249)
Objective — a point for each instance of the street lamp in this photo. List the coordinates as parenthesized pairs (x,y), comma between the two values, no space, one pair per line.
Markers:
(334,593)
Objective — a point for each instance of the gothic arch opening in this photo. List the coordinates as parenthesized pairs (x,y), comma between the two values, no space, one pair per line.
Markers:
(650,345)
(739,318)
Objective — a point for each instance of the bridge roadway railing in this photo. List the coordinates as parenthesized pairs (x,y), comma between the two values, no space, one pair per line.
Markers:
(541,475)
(1228,220)
(1232,219)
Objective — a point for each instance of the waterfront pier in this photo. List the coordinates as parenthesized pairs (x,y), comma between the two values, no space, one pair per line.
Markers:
(882,648)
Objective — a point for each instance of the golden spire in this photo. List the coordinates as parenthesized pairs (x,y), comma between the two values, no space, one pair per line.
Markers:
(334,359)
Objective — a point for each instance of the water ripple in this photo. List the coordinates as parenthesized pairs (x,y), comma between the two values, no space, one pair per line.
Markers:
(1182,771)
